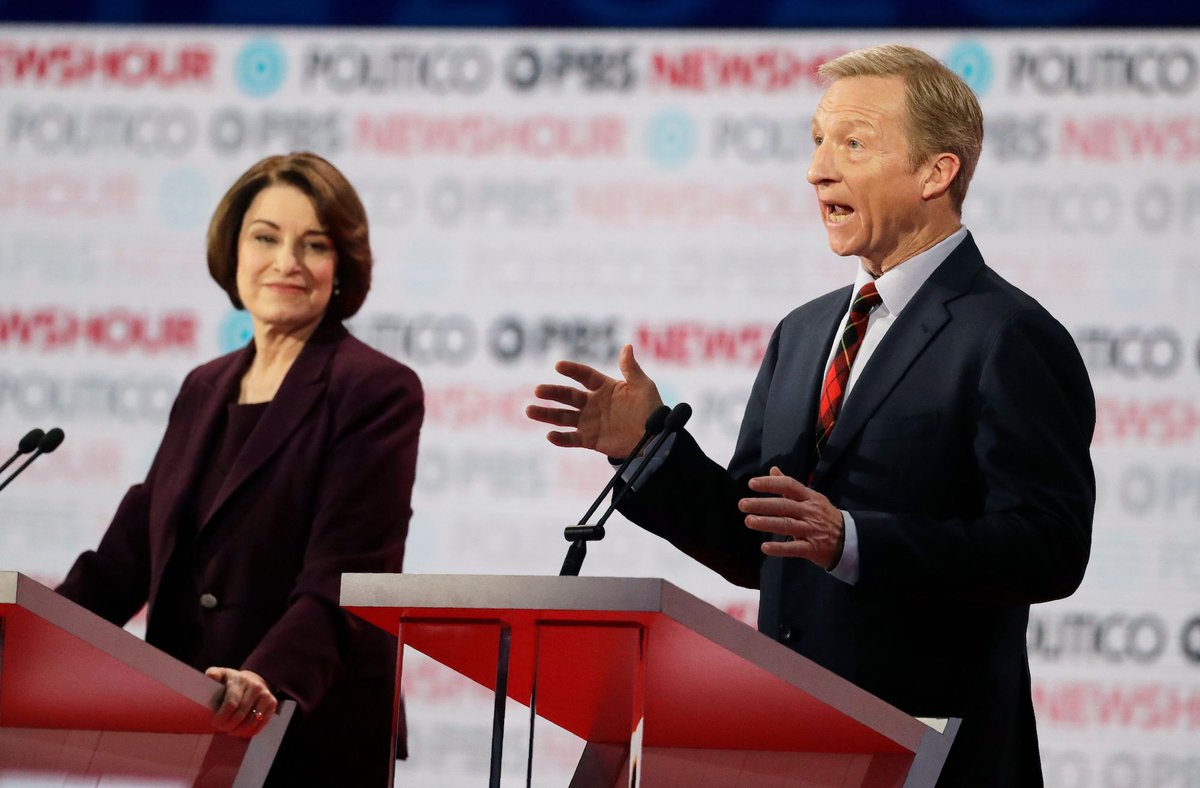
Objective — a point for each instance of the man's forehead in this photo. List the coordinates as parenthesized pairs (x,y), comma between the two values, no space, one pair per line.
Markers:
(867,100)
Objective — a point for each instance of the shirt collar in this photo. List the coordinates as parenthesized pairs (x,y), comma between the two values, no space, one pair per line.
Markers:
(898,285)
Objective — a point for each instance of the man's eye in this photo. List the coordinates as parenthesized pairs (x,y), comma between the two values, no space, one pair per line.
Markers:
(855,144)
(818,140)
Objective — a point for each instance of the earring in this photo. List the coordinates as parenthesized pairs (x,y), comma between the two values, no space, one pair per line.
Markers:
(337,287)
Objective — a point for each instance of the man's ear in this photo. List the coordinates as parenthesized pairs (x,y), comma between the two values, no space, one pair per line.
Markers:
(939,174)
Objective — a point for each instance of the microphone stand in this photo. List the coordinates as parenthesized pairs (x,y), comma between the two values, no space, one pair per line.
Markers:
(579,535)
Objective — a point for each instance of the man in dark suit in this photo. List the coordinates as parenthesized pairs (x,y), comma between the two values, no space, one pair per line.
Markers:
(912,470)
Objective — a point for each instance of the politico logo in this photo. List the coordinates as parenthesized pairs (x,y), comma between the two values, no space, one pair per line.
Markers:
(117,331)
(52,129)
(34,396)
(1111,637)
(424,339)
(762,139)
(260,68)
(709,69)
(1157,352)
(132,65)
(1146,70)
(440,70)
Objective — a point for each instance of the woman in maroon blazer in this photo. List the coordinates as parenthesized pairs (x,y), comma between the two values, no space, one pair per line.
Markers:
(284,464)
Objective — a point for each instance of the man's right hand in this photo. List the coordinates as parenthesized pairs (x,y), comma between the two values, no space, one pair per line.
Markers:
(606,415)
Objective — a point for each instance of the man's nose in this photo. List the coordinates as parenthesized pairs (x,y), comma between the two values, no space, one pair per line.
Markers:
(820,168)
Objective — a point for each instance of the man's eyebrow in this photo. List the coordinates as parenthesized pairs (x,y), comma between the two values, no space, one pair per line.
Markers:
(846,124)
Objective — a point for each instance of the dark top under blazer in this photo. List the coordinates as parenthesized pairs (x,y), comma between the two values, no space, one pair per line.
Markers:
(962,454)
(322,486)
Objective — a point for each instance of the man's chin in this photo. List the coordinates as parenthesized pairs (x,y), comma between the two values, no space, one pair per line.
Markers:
(840,248)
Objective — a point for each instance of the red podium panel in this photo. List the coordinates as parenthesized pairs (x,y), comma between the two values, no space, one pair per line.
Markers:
(82,699)
(617,660)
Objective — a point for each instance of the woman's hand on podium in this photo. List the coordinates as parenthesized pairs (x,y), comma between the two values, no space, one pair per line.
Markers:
(248,702)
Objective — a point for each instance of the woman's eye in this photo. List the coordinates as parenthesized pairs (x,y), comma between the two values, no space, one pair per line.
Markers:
(265,239)
(318,246)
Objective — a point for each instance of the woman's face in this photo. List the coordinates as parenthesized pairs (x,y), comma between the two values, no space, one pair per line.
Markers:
(286,261)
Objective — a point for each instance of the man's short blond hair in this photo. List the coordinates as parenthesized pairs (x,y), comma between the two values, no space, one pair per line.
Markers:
(943,112)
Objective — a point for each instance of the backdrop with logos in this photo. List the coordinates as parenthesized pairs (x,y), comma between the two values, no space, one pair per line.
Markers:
(536,196)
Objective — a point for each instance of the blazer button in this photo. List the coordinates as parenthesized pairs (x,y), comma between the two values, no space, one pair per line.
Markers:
(785,632)
(208,601)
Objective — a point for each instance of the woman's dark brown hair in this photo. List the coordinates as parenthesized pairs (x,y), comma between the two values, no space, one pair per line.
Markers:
(337,206)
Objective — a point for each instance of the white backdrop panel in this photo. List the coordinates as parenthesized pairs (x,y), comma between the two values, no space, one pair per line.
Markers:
(535,196)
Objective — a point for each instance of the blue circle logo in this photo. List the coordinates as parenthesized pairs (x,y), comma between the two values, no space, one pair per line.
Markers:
(671,138)
(236,331)
(260,68)
(183,199)
(971,61)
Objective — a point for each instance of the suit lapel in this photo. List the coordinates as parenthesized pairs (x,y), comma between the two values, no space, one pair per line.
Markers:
(301,389)
(804,369)
(925,316)
(200,418)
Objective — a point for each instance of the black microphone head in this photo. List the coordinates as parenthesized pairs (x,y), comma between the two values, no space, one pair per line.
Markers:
(658,419)
(679,416)
(51,440)
(30,441)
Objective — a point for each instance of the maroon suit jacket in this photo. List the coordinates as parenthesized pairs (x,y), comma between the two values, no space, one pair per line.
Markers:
(321,487)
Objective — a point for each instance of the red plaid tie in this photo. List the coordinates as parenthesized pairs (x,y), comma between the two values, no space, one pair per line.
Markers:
(838,375)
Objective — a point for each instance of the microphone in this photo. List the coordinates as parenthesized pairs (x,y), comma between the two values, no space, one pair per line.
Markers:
(654,425)
(27,444)
(579,535)
(675,422)
(46,443)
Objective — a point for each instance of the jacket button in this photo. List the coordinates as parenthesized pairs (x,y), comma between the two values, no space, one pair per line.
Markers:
(785,632)
(208,601)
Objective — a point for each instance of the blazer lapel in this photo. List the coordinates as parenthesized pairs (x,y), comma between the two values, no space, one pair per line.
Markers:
(917,325)
(199,418)
(802,370)
(302,388)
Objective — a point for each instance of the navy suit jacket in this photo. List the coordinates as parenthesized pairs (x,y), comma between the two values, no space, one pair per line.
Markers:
(962,453)
(321,487)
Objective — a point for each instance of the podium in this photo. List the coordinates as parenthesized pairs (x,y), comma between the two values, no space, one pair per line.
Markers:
(83,702)
(666,689)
